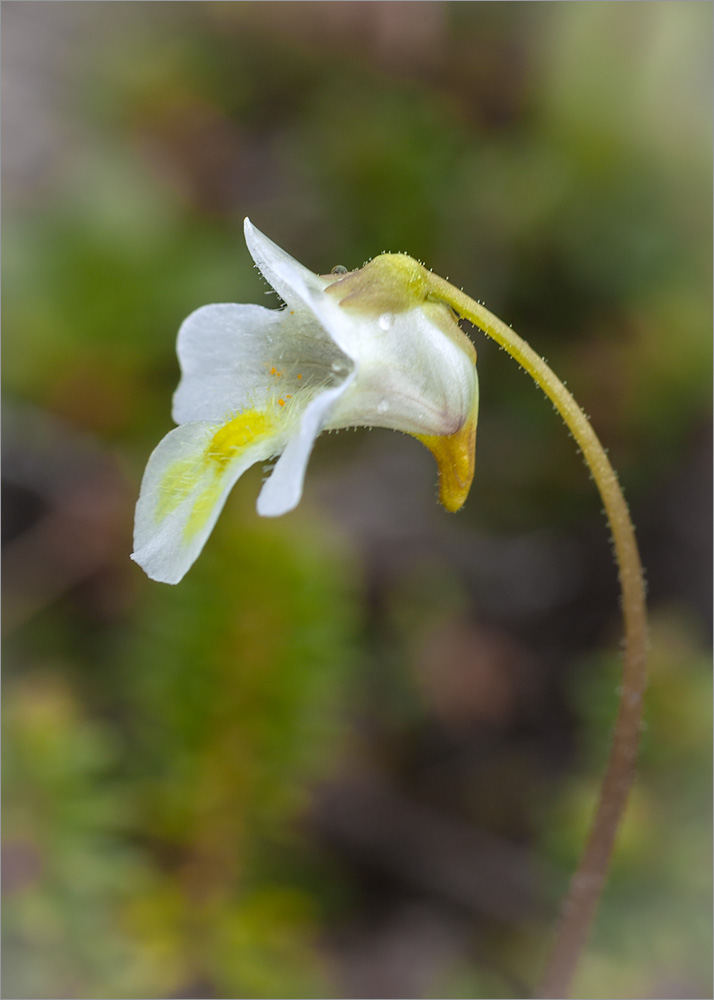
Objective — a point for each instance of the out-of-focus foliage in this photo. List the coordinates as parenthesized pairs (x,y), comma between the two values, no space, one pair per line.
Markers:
(355,752)
(214,708)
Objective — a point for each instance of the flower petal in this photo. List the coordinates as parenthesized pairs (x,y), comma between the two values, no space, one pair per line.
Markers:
(282,492)
(187,480)
(288,277)
(224,353)
(300,288)
(455,456)
(412,376)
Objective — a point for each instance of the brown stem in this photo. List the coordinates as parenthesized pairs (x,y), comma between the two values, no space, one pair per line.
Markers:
(587,883)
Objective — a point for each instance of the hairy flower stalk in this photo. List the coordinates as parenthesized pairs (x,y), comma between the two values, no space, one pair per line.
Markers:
(587,883)
(379,346)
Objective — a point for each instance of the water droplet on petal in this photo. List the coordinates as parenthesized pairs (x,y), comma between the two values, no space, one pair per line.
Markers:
(385,321)
(339,269)
(382,406)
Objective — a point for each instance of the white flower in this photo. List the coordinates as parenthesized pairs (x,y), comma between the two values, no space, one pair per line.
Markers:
(364,348)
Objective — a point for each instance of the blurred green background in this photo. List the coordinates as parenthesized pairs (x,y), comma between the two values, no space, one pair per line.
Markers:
(355,751)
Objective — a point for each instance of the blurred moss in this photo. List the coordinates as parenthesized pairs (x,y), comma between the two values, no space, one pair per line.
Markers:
(144,831)
(254,648)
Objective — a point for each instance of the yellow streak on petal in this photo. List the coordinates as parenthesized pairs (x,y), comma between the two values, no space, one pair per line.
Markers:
(201,510)
(455,456)
(178,483)
(225,445)
(183,476)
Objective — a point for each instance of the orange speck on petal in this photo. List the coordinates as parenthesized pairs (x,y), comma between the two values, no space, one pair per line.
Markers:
(299,376)
(281,402)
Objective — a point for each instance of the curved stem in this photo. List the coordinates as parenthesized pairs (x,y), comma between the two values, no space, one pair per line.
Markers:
(587,883)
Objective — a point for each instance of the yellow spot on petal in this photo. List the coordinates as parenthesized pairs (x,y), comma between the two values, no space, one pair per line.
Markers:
(281,402)
(455,456)
(225,445)
(237,434)
(299,376)
(203,474)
